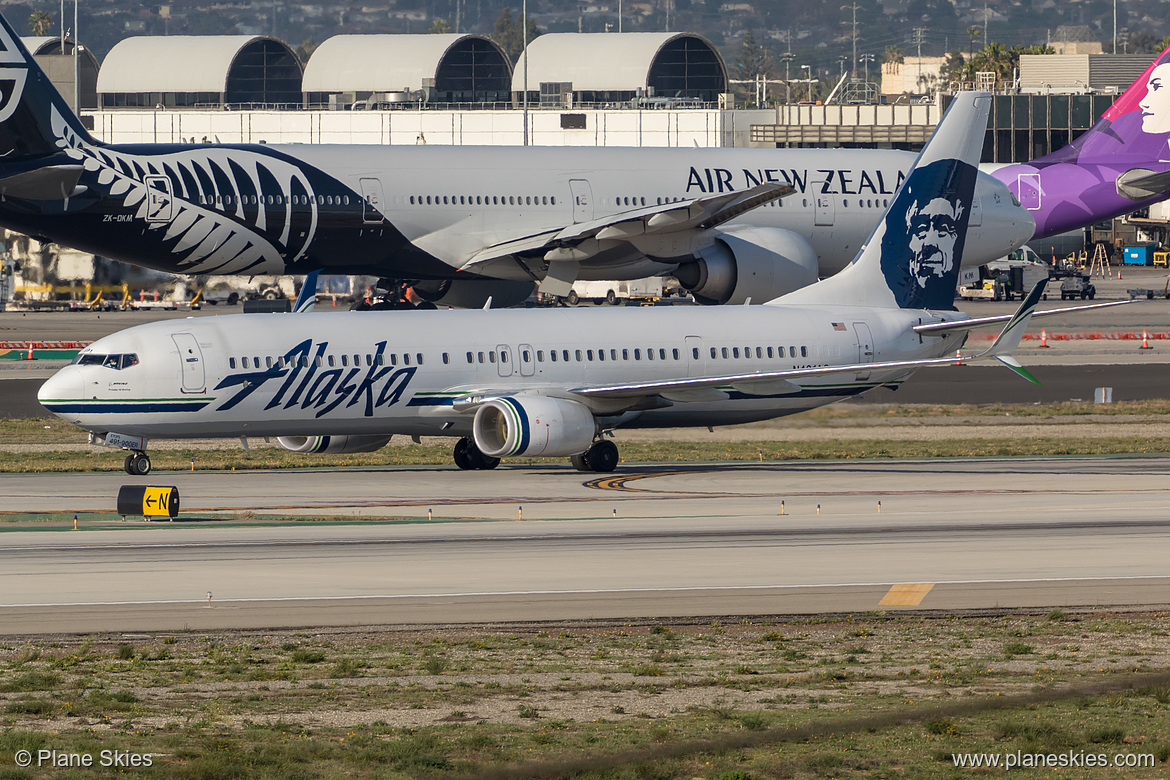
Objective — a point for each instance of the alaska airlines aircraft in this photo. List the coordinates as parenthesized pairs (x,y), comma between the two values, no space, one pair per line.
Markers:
(551,382)
(462,223)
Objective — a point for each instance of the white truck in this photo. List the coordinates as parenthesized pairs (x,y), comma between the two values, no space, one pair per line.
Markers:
(613,292)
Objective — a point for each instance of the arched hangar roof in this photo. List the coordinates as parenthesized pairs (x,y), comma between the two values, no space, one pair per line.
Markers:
(244,68)
(672,63)
(389,63)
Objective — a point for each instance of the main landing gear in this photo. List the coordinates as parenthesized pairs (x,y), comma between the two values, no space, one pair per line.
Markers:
(601,457)
(137,464)
(468,456)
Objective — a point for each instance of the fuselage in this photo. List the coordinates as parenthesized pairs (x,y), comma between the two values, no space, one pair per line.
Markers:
(412,372)
(424,212)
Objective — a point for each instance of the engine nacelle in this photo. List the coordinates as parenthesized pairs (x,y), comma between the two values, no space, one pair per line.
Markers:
(533,425)
(333,444)
(473,293)
(757,263)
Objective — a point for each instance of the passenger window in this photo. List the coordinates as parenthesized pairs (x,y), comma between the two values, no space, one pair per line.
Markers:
(446,358)
(804,351)
(725,354)
(759,352)
(613,354)
(345,360)
(480,357)
(320,361)
(637,354)
(418,358)
(565,355)
(470,359)
(650,354)
(492,356)
(553,355)
(662,354)
(695,352)
(268,361)
(625,354)
(503,357)
(540,356)
(525,355)
(406,359)
(380,360)
(735,352)
(589,355)
(231,362)
(792,352)
(769,352)
(600,355)
(331,361)
(713,353)
(393,359)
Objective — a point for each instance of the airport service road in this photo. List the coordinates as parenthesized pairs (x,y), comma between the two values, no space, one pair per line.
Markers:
(698,541)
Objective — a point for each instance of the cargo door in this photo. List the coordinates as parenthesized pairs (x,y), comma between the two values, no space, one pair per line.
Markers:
(1029,186)
(696,360)
(864,346)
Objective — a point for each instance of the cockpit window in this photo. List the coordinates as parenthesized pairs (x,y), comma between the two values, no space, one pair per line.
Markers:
(116,362)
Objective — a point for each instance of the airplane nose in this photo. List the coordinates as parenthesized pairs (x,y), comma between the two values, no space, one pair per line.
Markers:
(66,384)
(1010,225)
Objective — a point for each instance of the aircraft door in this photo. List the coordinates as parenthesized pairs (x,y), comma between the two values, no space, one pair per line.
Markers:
(864,346)
(696,360)
(582,200)
(976,219)
(191,357)
(1029,185)
(826,210)
(504,360)
(372,200)
(160,202)
(526,359)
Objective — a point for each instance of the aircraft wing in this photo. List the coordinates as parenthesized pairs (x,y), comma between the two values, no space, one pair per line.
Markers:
(578,242)
(976,323)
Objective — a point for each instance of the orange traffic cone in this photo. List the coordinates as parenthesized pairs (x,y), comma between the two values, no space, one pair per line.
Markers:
(1145,340)
(1044,338)
(958,357)
(30,352)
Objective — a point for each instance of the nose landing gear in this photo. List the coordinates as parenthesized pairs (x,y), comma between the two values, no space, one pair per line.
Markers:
(137,464)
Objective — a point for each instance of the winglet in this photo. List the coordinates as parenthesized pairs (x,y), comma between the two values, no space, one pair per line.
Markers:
(308,297)
(1009,337)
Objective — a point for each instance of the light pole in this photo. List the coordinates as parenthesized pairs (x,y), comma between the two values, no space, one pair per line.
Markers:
(808,80)
(787,58)
(524,54)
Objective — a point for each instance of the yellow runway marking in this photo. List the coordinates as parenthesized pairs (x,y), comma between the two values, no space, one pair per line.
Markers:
(908,595)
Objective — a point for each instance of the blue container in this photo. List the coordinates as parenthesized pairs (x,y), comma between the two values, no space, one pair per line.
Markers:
(1138,255)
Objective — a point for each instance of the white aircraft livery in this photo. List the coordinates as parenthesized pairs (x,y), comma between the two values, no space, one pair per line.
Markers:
(512,383)
(459,224)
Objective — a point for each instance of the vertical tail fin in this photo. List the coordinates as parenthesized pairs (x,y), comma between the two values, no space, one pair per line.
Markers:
(308,297)
(912,258)
(34,119)
(1135,129)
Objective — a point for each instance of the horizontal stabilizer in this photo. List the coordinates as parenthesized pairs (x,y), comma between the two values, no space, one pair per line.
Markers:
(978,323)
(52,182)
(1139,184)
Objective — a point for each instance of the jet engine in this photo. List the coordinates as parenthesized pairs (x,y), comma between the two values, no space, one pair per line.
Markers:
(333,444)
(473,293)
(757,263)
(533,425)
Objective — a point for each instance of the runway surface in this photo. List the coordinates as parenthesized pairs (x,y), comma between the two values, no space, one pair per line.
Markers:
(649,542)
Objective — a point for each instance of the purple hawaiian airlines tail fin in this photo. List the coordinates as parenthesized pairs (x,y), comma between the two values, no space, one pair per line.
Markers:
(1122,163)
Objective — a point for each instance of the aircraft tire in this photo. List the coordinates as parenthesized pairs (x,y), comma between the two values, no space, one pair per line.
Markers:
(464,454)
(138,464)
(602,457)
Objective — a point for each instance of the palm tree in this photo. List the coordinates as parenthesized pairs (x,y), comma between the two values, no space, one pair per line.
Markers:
(973,34)
(893,54)
(39,22)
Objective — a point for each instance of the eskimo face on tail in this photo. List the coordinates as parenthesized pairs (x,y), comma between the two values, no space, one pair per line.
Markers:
(924,233)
